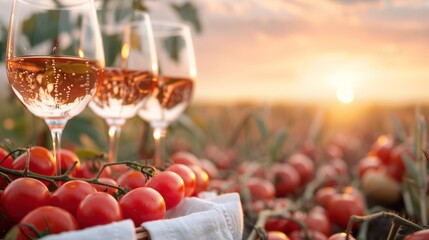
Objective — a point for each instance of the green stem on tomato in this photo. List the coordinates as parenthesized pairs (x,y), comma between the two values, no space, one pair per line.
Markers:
(65,176)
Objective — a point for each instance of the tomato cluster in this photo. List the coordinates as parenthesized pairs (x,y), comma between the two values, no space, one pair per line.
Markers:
(84,201)
(382,171)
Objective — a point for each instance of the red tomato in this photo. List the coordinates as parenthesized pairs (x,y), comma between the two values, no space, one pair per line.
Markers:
(260,189)
(383,147)
(328,174)
(340,166)
(381,188)
(324,195)
(171,187)
(202,179)
(186,158)
(276,224)
(286,179)
(188,176)
(22,196)
(369,162)
(69,195)
(89,169)
(102,188)
(210,168)
(303,165)
(67,159)
(118,170)
(142,204)
(343,206)
(419,235)
(319,222)
(132,179)
(5,162)
(396,166)
(314,235)
(277,235)
(41,161)
(5,224)
(98,208)
(341,236)
(54,220)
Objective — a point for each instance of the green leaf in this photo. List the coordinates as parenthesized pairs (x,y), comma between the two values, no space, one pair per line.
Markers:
(3,38)
(86,153)
(112,46)
(261,126)
(36,29)
(188,12)
(173,45)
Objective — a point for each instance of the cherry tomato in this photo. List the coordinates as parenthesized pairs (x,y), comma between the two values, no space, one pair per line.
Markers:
(102,188)
(202,179)
(303,165)
(419,235)
(41,161)
(286,179)
(277,235)
(349,205)
(132,179)
(341,236)
(324,195)
(188,176)
(67,159)
(381,188)
(22,196)
(54,220)
(98,208)
(5,162)
(369,162)
(142,204)
(210,168)
(186,158)
(382,147)
(171,187)
(314,235)
(89,169)
(5,224)
(118,170)
(276,224)
(260,189)
(396,166)
(319,222)
(69,195)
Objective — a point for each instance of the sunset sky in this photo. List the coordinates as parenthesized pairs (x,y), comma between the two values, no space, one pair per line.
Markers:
(305,50)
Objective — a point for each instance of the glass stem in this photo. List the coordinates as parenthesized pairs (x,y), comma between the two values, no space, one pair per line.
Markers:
(56,128)
(158,136)
(115,126)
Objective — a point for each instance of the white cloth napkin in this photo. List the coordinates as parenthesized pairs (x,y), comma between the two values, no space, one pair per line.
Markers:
(123,230)
(206,217)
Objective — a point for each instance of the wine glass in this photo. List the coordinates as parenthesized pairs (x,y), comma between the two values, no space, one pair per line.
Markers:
(54,60)
(130,72)
(177,73)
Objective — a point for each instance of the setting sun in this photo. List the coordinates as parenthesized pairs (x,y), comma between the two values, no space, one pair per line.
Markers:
(345,94)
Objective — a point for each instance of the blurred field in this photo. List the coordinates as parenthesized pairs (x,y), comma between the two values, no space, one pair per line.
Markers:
(251,129)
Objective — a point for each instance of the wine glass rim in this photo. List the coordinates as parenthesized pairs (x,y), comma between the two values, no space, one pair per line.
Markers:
(169,27)
(134,21)
(44,3)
